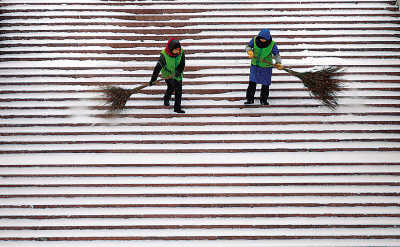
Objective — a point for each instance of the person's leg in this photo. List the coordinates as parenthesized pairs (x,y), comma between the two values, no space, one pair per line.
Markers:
(251,90)
(178,97)
(267,74)
(168,92)
(264,95)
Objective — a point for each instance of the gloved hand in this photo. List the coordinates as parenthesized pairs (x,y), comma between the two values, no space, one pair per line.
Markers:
(279,66)
(250,53)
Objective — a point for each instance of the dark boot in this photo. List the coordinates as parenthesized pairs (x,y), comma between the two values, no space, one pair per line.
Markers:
(166,102)
(179,111)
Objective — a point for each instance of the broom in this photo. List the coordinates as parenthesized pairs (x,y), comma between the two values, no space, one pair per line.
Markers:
(320,83)
(117,96)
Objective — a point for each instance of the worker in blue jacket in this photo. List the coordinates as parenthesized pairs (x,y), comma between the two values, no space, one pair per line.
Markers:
(262,50)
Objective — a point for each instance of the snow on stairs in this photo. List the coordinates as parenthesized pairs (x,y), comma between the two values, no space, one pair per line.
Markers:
(224,174)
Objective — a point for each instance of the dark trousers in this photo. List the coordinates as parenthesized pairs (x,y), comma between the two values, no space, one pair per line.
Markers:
(251,90)
(174,86)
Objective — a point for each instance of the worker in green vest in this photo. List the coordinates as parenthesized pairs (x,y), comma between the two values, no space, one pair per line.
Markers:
(262,50)
(171,64)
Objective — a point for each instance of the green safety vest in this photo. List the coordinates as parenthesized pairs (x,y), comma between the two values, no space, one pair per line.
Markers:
(262,54)
(171,64)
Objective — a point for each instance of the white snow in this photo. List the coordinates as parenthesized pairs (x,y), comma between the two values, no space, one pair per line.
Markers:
(364,89)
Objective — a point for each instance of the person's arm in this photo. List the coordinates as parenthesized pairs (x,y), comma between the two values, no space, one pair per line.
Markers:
(249,48)
(160,64)
(277,57)
(181,66)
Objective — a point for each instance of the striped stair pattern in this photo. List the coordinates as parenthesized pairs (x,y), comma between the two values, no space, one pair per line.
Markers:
(293,173)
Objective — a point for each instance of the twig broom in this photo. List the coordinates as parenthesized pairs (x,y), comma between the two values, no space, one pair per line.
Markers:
(321,83)
(117,96)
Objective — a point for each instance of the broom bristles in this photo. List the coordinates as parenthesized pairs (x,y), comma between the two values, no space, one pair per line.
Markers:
(322,84)
(116,97)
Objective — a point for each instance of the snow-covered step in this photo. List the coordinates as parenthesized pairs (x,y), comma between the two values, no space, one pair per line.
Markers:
(223,174)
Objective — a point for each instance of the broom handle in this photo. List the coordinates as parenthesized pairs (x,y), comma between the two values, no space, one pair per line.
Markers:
(134,90)
(292,72)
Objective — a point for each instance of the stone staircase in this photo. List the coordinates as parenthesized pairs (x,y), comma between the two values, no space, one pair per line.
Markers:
(293,173)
